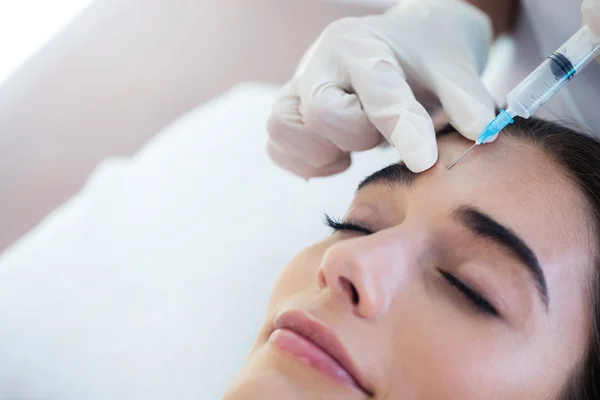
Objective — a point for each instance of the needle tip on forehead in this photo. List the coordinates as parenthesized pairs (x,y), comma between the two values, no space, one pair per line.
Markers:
(461,157)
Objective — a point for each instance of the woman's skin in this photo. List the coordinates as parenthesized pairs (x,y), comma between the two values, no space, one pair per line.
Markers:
(410,331)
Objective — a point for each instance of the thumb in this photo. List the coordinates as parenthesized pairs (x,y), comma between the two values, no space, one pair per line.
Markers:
(469,105)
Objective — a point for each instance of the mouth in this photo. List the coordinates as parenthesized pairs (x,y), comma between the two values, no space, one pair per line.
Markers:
(317,346)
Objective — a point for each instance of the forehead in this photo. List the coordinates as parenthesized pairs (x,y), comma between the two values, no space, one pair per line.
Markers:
(516,182)
(513,180)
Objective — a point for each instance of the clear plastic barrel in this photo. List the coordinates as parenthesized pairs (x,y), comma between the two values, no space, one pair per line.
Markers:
(554,73)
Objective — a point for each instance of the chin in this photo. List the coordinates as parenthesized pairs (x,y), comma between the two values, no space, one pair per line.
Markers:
(270,375)
(267,385)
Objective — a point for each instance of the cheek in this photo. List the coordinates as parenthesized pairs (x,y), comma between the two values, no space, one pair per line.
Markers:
(467,362)
(299,274)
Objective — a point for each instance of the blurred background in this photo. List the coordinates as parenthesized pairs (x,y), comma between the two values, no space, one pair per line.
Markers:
(82,80)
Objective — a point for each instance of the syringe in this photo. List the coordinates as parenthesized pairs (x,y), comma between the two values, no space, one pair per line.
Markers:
(545,81)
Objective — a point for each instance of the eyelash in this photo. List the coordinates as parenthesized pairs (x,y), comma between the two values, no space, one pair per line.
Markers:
(471,295)
(475,298)
(350,225)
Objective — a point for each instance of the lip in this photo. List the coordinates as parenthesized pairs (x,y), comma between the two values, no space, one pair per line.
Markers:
(323,350)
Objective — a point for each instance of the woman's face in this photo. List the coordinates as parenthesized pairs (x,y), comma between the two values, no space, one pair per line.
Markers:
(454,284)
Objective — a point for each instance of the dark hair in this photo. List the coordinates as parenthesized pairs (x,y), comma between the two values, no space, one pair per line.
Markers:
(578,154)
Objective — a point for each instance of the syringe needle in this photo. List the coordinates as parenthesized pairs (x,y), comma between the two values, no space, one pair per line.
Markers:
(461,157)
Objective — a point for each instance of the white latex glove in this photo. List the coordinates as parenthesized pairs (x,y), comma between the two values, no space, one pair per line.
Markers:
(591,14)
(368,77)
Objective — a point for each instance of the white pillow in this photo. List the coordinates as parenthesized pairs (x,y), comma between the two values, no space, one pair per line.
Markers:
(152,282)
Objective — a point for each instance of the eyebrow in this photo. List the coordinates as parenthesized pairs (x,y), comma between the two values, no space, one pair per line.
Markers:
(399,174)
(395,174)
(484,226)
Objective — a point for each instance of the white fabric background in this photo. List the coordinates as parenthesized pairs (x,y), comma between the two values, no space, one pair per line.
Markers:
(152,282)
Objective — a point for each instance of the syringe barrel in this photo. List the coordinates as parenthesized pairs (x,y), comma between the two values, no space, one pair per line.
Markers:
(554,73)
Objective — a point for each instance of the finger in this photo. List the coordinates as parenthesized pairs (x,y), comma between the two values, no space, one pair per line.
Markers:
(338,116)
(591,15)
(327,104)
(388,100)
(300,168)
(287,130)
(467,103)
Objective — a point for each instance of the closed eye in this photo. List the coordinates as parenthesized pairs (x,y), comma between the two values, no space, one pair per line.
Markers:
(349,225)
(477,300)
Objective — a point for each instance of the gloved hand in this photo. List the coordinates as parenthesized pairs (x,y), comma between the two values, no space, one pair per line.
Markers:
(368,77)
(591,14)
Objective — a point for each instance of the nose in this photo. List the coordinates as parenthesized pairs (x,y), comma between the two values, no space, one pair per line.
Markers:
(365,272)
